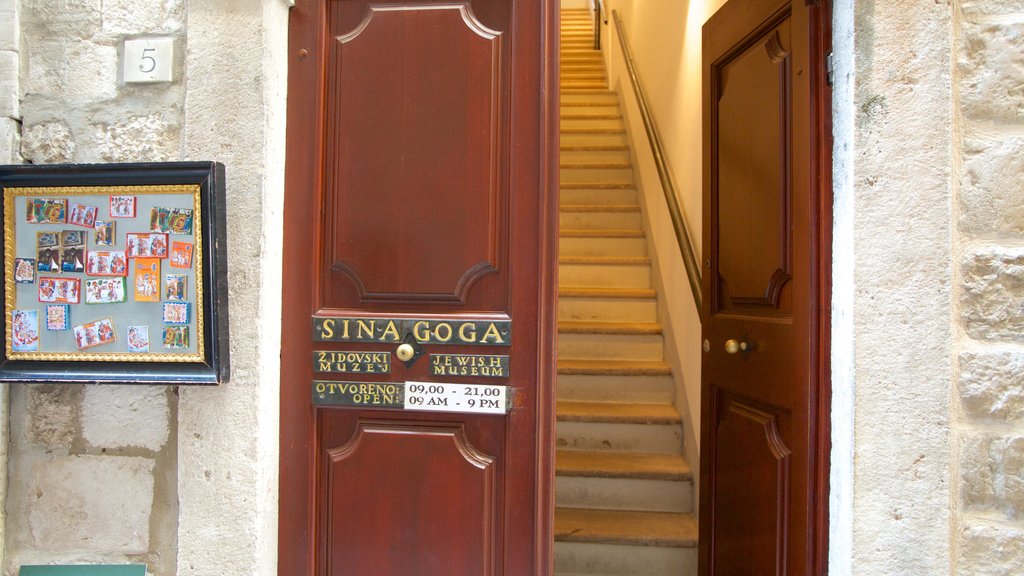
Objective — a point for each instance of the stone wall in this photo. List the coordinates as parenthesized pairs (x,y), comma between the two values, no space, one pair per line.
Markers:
(989,151)
(183,480)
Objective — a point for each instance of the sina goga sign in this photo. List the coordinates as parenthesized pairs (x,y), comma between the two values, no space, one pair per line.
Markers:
(394,331)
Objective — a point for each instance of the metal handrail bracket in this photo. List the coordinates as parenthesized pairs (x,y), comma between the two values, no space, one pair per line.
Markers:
(667,184)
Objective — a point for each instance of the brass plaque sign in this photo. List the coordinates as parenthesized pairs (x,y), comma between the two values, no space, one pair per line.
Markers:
(394,331)
(343,362)
(477,365)
(365,394)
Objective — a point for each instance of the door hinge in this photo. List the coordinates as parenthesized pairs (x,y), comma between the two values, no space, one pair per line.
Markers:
(830,69)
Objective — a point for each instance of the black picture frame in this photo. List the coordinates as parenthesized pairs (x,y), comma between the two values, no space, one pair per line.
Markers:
(207,361)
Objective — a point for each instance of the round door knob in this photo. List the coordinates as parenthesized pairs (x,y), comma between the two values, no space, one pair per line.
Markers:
(405,352)
(734,346)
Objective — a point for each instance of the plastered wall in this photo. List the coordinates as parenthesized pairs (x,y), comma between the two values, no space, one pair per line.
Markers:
(181,479)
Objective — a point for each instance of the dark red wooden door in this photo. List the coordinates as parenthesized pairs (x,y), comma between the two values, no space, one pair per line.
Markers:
(763,449)
(421,211)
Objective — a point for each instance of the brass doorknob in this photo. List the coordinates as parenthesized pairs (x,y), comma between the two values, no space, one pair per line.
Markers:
(405,352)
(735,346)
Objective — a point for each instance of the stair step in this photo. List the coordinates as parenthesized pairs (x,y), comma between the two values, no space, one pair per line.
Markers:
(621,272)
(616,412)
(599,125)
(601,220)
(605,138)
(615,388)
(623,328)
(613,367)
(623,481)
(620,543)
(571,246)
(591,111)
(629,528)
(598,196)
(607,155)
(608,309)
(622,465)
(610,346)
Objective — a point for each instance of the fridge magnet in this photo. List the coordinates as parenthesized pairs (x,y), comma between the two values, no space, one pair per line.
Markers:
(48,251)
(122,206)
(58,317)
(72,254)
(138,338)
(181,254)
(24,270)
(147,279)
(107,263)
(176,312)
(104,232)
(82,215)
(59,290)
(177,287)
(175,337)
(95,333)
(104,290)
(172,220)
(146,245)
(25,324)
(46,211)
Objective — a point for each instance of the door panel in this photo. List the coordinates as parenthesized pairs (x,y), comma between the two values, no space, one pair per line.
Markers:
(762,487)
(415,117)
(421,212)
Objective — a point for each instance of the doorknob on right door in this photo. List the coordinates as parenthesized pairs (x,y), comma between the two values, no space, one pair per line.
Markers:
(735,346)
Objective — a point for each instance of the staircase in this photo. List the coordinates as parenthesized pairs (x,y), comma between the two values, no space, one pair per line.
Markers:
(623,491)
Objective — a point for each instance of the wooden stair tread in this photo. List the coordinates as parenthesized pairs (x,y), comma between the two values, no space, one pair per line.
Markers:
(599,208)
(613,367)
(592,147)
(624,328)
(605,260)
(664,529)
(589,292)
(599,164)
(616,412)
(627,465)
(606,185)
(601,233)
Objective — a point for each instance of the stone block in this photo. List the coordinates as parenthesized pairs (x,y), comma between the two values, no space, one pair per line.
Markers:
(992,385)
(992,299)
(67,19)
(10,141)
(992,187)
(91,503)
(992,473)
(147,138)
(48,143)
(10,27)
(123,17)
(975,8)
(10,88)
(991,67)
(51,413)
(75,71)
(990,551)
(125,416)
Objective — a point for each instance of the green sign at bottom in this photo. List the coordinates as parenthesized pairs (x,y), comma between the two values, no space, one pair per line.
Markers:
(91,570)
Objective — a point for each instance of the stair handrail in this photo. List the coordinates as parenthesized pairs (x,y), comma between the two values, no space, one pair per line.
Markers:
(598,12)
(667,184)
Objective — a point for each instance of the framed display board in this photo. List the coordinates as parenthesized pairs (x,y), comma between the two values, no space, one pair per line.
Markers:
(115,273)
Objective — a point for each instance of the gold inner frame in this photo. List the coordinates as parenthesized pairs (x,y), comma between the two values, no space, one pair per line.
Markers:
(10,194)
